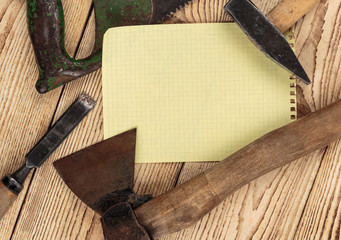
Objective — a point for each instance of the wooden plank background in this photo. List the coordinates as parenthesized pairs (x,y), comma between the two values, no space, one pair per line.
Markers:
(298,201)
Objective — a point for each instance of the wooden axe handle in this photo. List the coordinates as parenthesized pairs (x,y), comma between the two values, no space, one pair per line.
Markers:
(187,203)
(288,12)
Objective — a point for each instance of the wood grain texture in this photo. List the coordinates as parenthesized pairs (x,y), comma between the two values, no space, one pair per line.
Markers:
(25,115)
(288,12)
(265,209)
(188,203)
(268,208)
(321,217)
(319,50)
(7,199)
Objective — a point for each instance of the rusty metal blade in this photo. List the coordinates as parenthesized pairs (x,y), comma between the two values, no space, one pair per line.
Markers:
(266,36)
(120,222)
(101,169)
(164,8)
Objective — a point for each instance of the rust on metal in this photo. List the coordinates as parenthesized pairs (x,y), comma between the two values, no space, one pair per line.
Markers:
(265,36)
(116,197)
(102,176)
(121,223)
(96,171)
(47,30)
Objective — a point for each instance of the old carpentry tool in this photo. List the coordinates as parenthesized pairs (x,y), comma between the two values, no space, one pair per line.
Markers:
(12,185)
(46,28)
(56,67)
(265,34)
(107,188)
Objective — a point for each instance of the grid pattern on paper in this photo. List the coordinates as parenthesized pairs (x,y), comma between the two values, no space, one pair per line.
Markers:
(195,92)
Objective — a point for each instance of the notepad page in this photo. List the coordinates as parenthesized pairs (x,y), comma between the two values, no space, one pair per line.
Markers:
(195,92)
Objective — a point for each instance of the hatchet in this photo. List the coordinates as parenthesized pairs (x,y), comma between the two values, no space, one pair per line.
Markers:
(56,67)
(102,176)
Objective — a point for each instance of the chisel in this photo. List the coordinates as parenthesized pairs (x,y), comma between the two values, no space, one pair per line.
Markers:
(11,185)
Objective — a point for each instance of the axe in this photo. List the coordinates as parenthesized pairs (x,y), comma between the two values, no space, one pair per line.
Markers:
(102,176)
(56,67)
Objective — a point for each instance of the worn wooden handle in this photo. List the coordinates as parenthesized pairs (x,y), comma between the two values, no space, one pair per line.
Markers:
(189,202)
(288,12)
(7,198)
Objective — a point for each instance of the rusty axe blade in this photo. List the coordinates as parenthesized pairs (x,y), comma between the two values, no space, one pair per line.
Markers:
(265,36)
(102,176)
(94,173)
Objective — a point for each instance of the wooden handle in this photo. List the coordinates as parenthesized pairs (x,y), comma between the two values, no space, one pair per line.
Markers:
(189,202)
(7,198)
(288,12)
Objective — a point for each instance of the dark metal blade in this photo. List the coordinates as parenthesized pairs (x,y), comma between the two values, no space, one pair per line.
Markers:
(164,8)
(102,173)
(59,131)
(266,36)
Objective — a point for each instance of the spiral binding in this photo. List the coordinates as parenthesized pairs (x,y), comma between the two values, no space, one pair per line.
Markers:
(290,35)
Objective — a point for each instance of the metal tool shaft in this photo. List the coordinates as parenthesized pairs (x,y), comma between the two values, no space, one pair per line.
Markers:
(60,130)
(12,184)
(266,36)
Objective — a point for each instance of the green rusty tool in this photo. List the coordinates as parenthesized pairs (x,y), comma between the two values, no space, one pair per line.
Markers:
(46,28)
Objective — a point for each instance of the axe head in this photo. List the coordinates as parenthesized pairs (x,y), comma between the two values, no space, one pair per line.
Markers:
(265,36)
(102,176)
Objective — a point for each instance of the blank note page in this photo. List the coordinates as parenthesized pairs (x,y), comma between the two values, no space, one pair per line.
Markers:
(195,92)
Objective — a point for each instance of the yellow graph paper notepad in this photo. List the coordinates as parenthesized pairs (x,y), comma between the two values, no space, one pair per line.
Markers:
(195,92)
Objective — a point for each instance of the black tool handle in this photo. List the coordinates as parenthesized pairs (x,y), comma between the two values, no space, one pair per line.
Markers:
(59,131)
(11,185)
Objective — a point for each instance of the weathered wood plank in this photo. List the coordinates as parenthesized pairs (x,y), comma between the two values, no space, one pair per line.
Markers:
(321,218)
(25,115)
(265,209)
(19,130)
(318,48)
(43,196)
(51,211)
(149,175)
